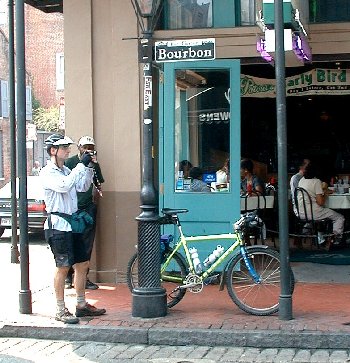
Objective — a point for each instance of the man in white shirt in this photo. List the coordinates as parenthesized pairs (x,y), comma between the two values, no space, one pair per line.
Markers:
(313,186)
(295,179)
(60,194)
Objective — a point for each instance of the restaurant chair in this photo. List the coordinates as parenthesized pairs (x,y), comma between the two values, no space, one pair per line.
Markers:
(258,232)
(270,189)
(306,225)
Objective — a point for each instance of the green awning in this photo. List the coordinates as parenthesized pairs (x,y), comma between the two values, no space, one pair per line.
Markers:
(48,6)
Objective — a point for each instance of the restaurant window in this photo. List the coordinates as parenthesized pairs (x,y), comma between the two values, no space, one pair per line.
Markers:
(192,14)
(202,130)
(185,14)
(326,11)
(246,12)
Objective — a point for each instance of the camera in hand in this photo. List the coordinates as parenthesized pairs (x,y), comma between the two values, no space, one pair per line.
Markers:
(86,158)
(92,152)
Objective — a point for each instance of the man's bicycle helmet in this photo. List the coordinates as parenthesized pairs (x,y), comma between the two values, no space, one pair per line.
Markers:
(86,140)
(57,140)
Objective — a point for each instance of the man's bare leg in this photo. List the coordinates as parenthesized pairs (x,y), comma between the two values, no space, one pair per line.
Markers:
(80,270)
(60,275)
(83,308)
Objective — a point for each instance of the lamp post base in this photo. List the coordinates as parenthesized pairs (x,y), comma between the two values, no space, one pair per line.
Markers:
(25,302)
(149,302)
(285,309)
(149,297)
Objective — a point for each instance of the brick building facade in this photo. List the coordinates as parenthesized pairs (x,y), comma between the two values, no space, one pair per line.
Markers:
(44,63)
(45,74)
(5,156)
(44,55)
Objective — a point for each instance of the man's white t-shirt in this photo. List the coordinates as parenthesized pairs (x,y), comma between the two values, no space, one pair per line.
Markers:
(313,187)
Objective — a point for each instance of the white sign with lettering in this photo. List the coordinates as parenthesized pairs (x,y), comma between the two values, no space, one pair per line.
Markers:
(184,50)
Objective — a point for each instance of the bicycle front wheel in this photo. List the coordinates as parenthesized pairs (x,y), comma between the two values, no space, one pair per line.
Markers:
(171,277)
(257,298)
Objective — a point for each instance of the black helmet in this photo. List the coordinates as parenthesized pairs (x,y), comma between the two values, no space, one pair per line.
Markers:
(57,140)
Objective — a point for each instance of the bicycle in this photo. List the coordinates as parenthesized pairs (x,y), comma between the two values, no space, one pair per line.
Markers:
(251,273)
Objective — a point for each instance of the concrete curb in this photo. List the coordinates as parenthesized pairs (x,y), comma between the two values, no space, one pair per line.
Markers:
(250,338)
(74,333)
(175,336)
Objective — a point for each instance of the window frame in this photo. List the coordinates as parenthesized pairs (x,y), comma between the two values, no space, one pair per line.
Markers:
(59,71)
(327,11)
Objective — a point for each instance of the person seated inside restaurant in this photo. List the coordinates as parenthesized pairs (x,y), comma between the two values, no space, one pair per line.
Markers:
(198,185)
(185,166)
(318,191)
(251,184)
(223,174)
(295,179)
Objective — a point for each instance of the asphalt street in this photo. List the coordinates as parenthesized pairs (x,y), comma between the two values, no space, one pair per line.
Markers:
(15,350)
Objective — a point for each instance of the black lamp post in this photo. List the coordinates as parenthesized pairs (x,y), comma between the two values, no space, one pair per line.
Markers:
(14,237)
(286,310)
(25,295)
(149,298)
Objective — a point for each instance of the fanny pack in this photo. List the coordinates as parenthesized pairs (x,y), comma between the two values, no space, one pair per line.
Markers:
(78,220)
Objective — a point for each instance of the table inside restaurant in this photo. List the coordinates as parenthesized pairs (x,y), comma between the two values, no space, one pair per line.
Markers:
(338,201)
(257,202)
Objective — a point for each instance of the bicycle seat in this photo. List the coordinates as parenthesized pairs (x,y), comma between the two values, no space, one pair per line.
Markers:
(171,212)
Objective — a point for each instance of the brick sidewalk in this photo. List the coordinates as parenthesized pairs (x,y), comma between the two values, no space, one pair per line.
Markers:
(319,313)
(210,317)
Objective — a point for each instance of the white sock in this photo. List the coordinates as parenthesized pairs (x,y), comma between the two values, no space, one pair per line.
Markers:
(81,301)
(60,305)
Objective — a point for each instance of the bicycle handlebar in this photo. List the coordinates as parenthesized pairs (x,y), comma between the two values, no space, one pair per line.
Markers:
(250,218)
(170,217)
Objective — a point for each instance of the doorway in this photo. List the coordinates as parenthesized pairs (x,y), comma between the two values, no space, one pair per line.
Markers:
(200,135)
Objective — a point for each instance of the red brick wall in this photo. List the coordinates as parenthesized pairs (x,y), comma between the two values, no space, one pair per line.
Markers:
(44,38)
(6,159)
(3,56)
(5,128)
(5,123)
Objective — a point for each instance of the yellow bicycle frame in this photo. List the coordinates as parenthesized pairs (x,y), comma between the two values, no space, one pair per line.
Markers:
(183,241)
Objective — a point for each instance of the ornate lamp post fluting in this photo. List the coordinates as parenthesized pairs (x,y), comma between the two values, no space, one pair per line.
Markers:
(149,298)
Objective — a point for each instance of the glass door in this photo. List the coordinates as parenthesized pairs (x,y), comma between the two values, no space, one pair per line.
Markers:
(200,144)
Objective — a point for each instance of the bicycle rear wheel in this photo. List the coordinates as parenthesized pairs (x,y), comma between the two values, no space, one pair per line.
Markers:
(172,276)
(256,298)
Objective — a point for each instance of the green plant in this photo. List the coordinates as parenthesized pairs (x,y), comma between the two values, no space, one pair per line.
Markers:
(46,119)
(35,103)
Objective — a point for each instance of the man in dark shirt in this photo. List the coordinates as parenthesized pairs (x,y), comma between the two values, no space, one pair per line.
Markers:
(87,201)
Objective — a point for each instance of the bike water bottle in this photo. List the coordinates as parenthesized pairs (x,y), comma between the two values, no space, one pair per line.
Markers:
(196,261)
(219,250)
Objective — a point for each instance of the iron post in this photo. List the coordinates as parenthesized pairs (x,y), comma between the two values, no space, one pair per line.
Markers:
(149,298)
(285,300)
(25,296)
(12,109)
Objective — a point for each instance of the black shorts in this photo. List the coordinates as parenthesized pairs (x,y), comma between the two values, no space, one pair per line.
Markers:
(88,236)
(66,248)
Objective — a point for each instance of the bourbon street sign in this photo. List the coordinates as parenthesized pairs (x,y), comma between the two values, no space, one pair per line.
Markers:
(184,50)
